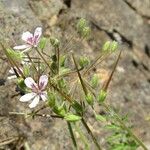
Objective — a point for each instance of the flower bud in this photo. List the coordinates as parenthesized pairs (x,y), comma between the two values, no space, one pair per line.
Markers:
(89,99)
(83,28)
(82,23)
(21,84)
(102,96)
(94,81)
(16,56)
(72,118)
(83,62)
(106,46)
(114,46)
(86,32)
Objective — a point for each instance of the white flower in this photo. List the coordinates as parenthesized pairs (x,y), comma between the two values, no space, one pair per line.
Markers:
(31,40)
(38,91)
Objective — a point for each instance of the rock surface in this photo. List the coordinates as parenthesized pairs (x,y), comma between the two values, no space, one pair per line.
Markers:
(125,21)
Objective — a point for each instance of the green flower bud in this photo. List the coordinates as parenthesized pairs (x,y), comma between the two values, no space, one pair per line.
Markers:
(21,84)
(42,43)
(106,46)
(16,56)
(82,23)
(86,32)
(59,110)
(72,118)
(89,99)
(84,61)
(114,46)
(55,42)
(102,96)
(83,28)
(94,81)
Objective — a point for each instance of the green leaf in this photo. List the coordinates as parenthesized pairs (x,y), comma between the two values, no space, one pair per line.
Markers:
(112,127)
(72,118)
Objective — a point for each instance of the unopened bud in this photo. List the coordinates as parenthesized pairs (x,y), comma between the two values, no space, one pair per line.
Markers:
(102,96)
(89,99)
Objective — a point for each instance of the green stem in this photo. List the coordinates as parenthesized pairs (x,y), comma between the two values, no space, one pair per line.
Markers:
(124,126)
(72,134)
(91,134)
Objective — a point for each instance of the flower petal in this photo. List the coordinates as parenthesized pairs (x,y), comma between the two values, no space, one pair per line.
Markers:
(30,83)
(21,47)
(43,82)
(27,49)
(37,35)
(27,97)
(34,102)
(44,96)
(26,36)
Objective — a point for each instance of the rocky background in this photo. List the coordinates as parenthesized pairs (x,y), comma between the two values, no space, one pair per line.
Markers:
(126,21)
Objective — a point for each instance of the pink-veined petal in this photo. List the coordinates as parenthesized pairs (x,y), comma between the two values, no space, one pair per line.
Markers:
(27,97)
(44,96)
(35,102)
(26,36)
(43,81)
(37,35)
(30,83)
(21,47)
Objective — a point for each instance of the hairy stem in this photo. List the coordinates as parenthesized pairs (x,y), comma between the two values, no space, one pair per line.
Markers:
(91,134)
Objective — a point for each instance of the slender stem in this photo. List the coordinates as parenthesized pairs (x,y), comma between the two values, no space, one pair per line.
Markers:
(124,126)
(32,62)
(91,134)
(83,138)
(43,59)
(58,58)
(72,135)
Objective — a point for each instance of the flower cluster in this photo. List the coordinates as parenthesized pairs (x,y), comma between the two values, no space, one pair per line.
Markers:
(37,91)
